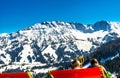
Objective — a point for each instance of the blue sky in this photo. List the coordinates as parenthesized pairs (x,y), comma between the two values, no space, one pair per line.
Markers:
(19,14)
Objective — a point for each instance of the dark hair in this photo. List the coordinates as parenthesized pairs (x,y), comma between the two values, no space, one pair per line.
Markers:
(93,61)
(74,61)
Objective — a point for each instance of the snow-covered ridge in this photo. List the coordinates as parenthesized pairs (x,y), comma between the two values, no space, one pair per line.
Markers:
(52,43)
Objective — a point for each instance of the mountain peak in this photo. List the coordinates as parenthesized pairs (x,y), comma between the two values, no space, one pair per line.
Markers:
(102,25)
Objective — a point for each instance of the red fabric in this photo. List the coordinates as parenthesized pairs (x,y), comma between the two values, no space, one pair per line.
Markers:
(78,73)
(14,75)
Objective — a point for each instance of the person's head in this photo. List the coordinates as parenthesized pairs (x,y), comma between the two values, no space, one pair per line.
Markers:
(94,61)
(80,59)
(77,63)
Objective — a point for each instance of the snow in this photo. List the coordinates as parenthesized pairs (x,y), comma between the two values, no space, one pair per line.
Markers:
(50,51)
(5,59)
(44,70)
(87,65)
(49,38)
(83,45)
(26,51)
(4,34)
(115,26)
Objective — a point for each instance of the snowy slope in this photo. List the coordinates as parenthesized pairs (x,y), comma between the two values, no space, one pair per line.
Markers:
(49,45)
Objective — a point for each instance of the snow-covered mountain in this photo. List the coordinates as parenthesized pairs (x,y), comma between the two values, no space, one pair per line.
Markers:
(49,45)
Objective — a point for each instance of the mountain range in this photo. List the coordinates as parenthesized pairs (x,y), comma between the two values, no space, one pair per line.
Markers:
(53,45)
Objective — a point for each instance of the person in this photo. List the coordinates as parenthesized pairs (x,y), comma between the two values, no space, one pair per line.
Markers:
(94,63)
(77,62)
